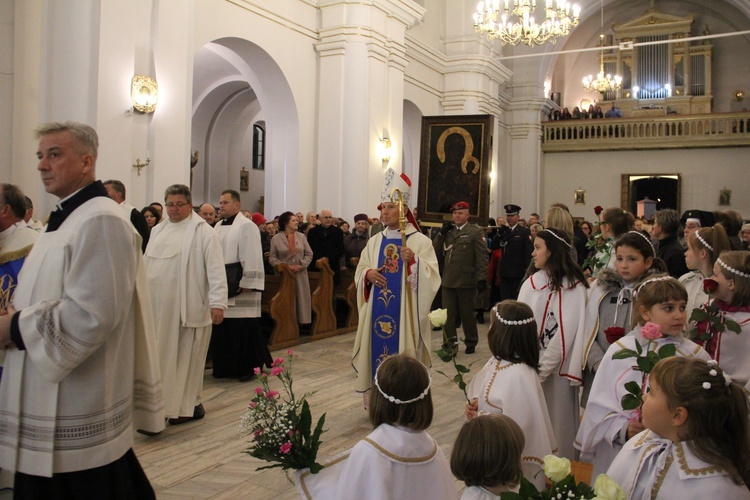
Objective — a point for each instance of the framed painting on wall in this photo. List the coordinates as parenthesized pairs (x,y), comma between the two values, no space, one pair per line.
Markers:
(455,166)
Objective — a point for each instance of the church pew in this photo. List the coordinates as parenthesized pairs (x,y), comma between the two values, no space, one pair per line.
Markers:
(277,300)
(347,291)
(321,283)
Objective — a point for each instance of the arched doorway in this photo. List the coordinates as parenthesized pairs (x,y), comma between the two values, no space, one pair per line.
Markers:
(237,85)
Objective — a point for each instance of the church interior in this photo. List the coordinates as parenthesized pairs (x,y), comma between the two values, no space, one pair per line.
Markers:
(290,102)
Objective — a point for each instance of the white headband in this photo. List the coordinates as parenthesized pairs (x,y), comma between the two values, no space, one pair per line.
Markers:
(645,238)
(513,322)
(559,238)
(652,280)
(731,269)
(705,243)
(398,401)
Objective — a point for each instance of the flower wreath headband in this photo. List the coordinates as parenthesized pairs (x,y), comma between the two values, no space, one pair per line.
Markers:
(652,280)
(645,238)
(731,269)
(512,322)
(559,238)
(397,401)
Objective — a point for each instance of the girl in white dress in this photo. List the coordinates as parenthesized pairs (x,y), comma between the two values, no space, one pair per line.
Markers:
(660,309)
(704,246)
(556,293)
(487,456)
(732,298)
(697,442)
(399,459)
(509,383)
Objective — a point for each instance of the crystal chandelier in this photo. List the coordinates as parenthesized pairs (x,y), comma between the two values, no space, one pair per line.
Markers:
(489,20)
(603,83)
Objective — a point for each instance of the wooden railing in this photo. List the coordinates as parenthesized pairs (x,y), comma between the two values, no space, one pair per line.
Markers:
(672,131)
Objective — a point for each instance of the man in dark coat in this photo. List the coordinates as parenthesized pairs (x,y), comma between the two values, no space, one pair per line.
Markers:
(517,247)
(326,240)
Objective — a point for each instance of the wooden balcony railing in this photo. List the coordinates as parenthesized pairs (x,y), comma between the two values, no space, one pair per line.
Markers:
(674,131)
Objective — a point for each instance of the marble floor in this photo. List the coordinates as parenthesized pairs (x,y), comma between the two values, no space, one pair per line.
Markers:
(205,459)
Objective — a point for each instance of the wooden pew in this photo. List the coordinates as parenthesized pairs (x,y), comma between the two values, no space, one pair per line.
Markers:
(321,283)
(347,291)
(277,300)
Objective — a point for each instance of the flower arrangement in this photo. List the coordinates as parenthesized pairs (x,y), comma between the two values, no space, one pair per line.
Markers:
(281,425)
(447,353)
(564,485)
(709,320)
(645,360)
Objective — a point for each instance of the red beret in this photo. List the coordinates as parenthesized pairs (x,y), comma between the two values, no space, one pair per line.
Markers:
(461,205)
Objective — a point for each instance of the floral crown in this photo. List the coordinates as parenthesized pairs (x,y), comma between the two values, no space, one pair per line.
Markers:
(652,280)
(645,238)
(704,242)
(731,269)
(713,364)
(512,322)
(559,238)
(397,401)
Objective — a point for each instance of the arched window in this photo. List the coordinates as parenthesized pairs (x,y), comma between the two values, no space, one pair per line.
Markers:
(259,147)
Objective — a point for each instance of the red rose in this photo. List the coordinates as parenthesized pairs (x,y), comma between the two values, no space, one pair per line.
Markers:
(614,333)
(598,210)
(710,286)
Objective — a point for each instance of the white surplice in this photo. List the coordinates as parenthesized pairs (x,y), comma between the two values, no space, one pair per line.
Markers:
(560,316)
(240,242)
(653,467)
(89,375)
(604,424)
(390,463)
(185,269)
(513,389)
(422,283)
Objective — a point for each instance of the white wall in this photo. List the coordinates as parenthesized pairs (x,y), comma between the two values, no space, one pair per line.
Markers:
(703,173)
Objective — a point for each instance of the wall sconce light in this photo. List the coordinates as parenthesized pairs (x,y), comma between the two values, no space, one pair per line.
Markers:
(144,92)
(384,149)
(585,103)
(635,90)
(739,95)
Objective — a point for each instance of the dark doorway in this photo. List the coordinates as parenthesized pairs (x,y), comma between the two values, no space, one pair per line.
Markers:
(663,188)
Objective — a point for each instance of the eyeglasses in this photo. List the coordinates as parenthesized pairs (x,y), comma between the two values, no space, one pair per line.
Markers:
(179,204)
(692,226)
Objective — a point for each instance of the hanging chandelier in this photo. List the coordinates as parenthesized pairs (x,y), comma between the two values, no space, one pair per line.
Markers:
(488,20)
(602,83)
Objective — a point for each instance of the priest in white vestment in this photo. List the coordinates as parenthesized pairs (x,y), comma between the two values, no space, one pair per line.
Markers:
(185,269)
(388,272)
(81,372)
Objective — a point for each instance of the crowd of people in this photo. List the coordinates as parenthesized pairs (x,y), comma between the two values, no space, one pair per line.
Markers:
(592,112)
(109,312)
(563,331)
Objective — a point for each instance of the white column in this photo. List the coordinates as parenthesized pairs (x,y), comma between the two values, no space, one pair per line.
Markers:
(362,64)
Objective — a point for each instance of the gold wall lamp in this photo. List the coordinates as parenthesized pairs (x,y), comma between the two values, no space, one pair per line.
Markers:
(144,93)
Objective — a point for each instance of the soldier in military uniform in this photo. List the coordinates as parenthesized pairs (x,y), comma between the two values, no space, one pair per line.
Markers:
(464,272)
(517,247)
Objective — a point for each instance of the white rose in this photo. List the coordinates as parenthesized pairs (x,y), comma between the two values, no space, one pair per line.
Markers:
(438,317)
(556,468)
(605,488)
